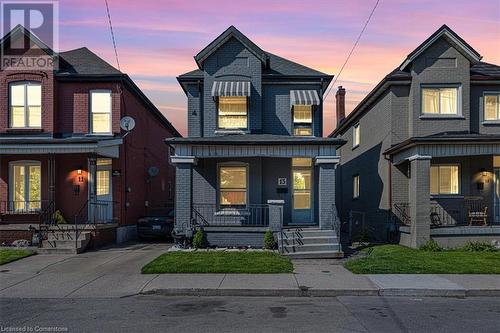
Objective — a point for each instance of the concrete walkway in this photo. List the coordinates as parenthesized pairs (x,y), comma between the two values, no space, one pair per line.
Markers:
(115,272)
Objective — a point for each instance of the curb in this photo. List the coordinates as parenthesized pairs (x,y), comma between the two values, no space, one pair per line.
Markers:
(461,293)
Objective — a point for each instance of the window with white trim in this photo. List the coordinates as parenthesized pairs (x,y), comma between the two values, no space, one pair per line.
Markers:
(25,186)
(302,120)
(233,185)
(355,186)
(233,112)
(492,106)
(440,101)
(445,179)
(25,104)
(356,135)
(100,112)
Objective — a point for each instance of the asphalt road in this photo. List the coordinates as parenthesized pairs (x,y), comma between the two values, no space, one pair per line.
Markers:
(251,314)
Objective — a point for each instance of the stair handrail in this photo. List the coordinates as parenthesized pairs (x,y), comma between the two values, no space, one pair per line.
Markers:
(336,224)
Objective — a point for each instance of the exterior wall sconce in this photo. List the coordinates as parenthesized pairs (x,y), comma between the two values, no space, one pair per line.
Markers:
(79,171)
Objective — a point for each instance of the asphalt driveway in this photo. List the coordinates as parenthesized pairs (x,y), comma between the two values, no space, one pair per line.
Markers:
(111,272)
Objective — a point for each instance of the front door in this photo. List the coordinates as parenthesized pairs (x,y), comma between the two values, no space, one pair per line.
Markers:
(103,207)
(496,194)
(302,203)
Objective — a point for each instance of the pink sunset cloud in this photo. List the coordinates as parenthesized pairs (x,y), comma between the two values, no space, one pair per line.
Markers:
(157,39)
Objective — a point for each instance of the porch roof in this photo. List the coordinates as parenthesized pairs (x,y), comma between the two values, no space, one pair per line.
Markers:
(446,145)
(17,145)
(255,145)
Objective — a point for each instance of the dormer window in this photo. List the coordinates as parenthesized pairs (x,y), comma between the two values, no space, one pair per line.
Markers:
(233,113)
(492,106)
(302,120)
(25,104)
(440,101)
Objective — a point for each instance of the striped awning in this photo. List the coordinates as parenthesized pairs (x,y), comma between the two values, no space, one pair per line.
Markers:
(231,88)
(304,97)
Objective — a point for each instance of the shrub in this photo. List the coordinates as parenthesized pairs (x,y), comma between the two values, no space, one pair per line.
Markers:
(431,246)
(200,239)
(269,241)
(59,218)
(478,247)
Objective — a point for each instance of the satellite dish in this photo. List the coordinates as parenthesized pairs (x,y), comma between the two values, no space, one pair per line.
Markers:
(153,171)
(127,123)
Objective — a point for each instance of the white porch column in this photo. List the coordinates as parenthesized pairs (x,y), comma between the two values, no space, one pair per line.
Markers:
(183,190)
(419,199)
(326,190)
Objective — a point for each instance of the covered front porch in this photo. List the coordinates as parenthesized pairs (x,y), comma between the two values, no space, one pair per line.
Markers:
(452,192)
(241,187)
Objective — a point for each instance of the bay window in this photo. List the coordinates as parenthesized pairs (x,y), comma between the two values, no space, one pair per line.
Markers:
(100,112)
(233,185)
(492,106)
(445,179)
(25,186)
(440,101)
(302,120)
(233,112)
(25,104)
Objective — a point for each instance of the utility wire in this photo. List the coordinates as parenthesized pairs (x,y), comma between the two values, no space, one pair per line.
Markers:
(112,35)
(352,50)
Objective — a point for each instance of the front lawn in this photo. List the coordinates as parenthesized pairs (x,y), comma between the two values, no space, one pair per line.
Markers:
(219,262)
(396,259)
(8,255)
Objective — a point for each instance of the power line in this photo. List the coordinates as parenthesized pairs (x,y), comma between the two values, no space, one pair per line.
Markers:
(352,50)
(112,35)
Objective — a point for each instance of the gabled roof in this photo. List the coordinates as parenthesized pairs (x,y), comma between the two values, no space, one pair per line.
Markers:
(82,61)
(452,37)
(230,32)
(20,31)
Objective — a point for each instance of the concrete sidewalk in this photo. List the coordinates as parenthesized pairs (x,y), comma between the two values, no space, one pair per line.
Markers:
(115,272)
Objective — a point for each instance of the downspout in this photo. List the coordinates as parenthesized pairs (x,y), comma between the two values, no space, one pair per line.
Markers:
(200,108)
(389,163)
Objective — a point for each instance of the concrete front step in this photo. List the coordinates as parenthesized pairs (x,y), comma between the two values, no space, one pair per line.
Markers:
(67,235)
(309,233)
(311,248)
(64,242)
(309,243)
(315,255)
(310,240)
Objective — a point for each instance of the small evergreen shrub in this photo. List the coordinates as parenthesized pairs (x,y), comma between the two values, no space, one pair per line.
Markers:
(478,247)
(269,241)
(59,218)
(431,246)
(200,239)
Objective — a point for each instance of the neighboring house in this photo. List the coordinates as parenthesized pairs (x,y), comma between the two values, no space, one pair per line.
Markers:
(254,157)
(62,148)
(423,148)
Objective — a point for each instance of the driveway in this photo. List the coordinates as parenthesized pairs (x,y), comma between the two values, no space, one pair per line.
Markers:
(110,272)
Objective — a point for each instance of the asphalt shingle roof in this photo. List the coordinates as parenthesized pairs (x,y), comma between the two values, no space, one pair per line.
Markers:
(82,61)
(235,139)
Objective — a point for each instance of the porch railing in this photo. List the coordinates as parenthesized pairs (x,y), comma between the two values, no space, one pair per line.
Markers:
(94,212)
(255,215)
(13,207)
(401,213)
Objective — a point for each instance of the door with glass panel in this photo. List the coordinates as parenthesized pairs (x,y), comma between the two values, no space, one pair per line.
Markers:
(103,208)
(25,187)
(302,180)
(496,193)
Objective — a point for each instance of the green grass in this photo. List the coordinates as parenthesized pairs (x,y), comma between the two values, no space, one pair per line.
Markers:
(396,259)
(219,262)
(9,255)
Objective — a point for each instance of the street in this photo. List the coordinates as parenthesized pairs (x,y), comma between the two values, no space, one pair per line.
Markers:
(251,314)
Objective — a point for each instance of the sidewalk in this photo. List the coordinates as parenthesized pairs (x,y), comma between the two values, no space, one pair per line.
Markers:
(323,278)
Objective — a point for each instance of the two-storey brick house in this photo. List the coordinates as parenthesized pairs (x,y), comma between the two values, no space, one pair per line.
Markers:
(423,148)
(254,157)
(62,148)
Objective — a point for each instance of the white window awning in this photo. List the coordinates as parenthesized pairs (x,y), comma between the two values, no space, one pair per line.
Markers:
(304,97)
(231,88)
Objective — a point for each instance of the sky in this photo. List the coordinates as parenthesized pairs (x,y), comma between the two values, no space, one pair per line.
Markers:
(156,40)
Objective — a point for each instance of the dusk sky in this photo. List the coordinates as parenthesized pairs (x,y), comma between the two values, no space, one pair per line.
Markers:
(157,40)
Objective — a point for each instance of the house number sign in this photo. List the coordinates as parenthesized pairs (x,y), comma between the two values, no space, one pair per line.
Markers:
(281,181)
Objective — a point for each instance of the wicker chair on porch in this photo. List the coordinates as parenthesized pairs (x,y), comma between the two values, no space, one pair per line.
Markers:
(477,211)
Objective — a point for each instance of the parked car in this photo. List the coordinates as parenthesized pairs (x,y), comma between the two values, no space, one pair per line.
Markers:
(156,226)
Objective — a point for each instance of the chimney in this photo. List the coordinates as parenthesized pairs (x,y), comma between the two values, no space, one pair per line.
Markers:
(340,104)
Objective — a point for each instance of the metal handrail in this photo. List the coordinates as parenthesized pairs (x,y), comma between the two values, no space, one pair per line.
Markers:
(336,223)
(12,207)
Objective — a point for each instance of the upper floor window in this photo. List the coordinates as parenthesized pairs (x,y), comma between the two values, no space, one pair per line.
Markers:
(440,101)
(492,106)
(355,187)
(232,185)
(25,104)
(445,179)
(302,120)
(100,111)
(233,112)
(356,135)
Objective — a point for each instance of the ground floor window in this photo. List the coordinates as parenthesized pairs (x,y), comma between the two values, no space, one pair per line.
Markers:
(445,179)
(233,185)
(25,185)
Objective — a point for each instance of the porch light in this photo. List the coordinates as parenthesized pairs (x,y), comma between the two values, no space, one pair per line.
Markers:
(484,172)
(79,171)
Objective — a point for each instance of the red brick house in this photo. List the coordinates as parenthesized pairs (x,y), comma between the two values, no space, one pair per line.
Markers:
(62,148)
